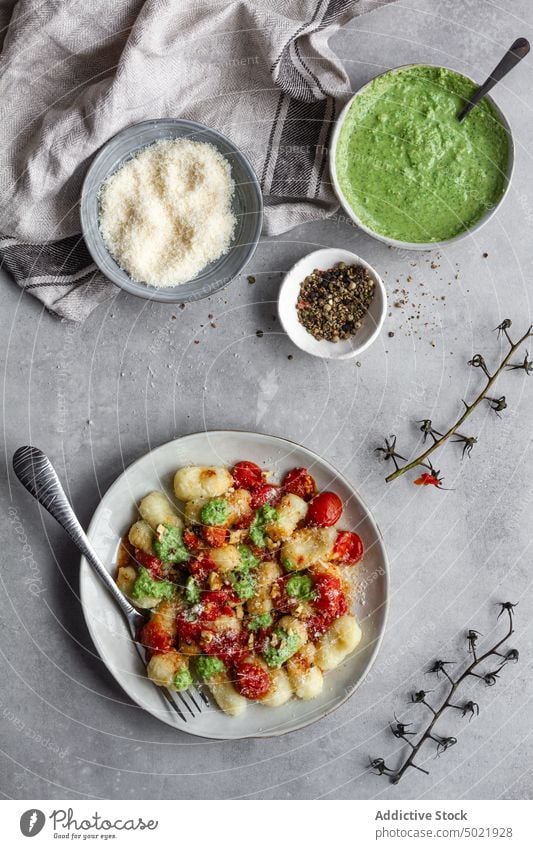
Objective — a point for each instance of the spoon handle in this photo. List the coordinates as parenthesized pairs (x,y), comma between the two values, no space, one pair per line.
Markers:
(36,473)
(514,55)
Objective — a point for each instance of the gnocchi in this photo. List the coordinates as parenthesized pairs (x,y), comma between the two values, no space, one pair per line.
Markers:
(280,691)
(163,669)
(306,547)
(126,578)
(290,511)
(225,694)
(192,510)
(338,642)
(225,559)
(250,592)
(141,536)
(201,482)
(156,509)
(266,575)
(306,679)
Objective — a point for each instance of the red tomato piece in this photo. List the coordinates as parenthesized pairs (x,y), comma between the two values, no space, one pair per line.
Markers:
(429,480)
(300,482)
(150,562)
(317,625)
(216,603)
(324,510)
(267,493)
(191,539)
(228,646)
(188,630)
(330,599)
(247,475)
(348,548)
(251,680)
(244,522)
(215,537)
(282,602)
(154,638)
(201,567)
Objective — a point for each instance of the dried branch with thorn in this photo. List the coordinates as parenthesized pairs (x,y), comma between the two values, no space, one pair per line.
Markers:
(432,476)
(468,708)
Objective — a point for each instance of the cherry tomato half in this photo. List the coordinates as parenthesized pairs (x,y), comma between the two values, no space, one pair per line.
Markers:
(330,599)
(155,638)
(324,510)
(251,680)
(247,475)
(201,567)
(190,539)
(216,603)
(267,493)
(317,624)
(348,548)
(150,562)
(215,537)
(228,646)
(186,629)
(300,482)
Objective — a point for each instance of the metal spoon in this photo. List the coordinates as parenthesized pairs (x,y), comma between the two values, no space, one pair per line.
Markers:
(516,52)
(36,473)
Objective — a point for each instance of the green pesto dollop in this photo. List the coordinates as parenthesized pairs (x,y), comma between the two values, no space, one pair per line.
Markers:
(192,591)
(215,512)
(242,578)
(288,564)
(147,587)
(408,168)
(288,645)
(243,583)
(182,680)
(206,666)
(170,548)
(248,559)
(264,515)
(300,586)
(262,620)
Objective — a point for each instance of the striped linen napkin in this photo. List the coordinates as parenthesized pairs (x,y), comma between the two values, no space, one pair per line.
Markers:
(72,74)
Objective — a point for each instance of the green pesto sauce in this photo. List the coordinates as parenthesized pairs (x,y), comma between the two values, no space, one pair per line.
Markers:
(408,168)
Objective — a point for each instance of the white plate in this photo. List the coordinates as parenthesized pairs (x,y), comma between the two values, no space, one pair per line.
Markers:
(288,315)
(116,512)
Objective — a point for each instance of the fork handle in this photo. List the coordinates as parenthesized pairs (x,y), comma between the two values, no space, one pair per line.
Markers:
(36,473)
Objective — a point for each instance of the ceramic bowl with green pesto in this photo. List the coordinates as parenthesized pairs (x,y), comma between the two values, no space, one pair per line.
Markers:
(406,171)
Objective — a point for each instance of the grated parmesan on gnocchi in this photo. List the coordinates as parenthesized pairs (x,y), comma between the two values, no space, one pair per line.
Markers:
(244,584)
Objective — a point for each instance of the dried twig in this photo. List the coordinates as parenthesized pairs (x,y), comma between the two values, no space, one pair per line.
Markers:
(438,438)
(468,708)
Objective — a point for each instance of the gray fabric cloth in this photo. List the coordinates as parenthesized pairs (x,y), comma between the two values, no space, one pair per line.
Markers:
(73,73)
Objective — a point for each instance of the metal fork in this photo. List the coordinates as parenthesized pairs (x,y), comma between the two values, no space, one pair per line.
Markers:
(36,473)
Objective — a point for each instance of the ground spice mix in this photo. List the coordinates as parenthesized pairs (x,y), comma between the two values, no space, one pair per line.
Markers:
(333,302)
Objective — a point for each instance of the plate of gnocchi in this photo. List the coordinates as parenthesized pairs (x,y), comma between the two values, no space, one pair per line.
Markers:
(262,575)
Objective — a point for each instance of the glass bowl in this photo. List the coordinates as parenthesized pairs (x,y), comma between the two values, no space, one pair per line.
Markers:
(247,207)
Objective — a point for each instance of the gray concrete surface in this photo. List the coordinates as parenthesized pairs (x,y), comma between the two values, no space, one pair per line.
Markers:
(96,397)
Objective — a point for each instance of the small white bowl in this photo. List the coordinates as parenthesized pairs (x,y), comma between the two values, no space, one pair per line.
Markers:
(288,296)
